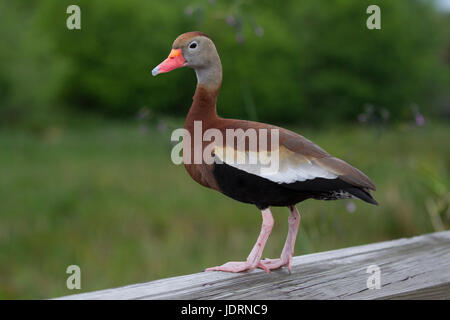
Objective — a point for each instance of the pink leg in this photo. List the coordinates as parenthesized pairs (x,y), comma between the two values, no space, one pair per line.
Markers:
(254,258)
(288,250)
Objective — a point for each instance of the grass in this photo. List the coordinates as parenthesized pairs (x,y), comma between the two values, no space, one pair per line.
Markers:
(108,199)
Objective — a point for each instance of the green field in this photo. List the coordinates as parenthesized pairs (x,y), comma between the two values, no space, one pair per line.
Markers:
(108,198)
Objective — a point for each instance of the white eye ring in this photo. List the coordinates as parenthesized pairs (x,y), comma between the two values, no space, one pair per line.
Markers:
(193,45)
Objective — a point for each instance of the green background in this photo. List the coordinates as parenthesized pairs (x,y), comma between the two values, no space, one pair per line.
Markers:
(86,176)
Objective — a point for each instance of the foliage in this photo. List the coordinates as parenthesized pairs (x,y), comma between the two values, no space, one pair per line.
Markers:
(108,199)
(31,71)
(104,194)
(311,61)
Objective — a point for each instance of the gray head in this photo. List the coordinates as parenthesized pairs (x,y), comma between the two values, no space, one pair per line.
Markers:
(195,50)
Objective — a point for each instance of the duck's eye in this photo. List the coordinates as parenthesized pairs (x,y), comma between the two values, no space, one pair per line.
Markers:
(193,45)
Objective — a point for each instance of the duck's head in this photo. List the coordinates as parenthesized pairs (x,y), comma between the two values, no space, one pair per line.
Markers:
(195,50)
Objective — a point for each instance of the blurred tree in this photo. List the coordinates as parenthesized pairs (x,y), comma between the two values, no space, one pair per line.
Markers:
(312,61)
(31,71)
(343,65)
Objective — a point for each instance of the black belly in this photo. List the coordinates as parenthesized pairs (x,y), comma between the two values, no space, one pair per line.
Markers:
(250,188)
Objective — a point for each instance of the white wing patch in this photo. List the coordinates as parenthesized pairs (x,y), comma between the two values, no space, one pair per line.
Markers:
(291,167)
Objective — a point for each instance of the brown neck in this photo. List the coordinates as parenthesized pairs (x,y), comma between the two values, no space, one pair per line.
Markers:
(209,80)
(203,107)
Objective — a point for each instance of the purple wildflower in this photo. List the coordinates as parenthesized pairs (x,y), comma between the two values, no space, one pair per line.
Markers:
(419,118)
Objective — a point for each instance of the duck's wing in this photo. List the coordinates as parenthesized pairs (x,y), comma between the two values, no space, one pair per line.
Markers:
(300,146)
(300,162)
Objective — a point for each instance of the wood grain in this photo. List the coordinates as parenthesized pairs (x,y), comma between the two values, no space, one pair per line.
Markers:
(412,268)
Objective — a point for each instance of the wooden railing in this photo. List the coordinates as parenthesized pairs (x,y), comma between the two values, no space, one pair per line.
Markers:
(412,268)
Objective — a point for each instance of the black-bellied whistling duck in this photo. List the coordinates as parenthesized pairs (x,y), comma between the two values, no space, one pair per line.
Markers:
(304,169)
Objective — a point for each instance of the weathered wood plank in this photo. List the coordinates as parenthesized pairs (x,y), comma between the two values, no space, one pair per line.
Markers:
(413,268)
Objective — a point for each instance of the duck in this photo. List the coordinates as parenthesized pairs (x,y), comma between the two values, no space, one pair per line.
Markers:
(304,170)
